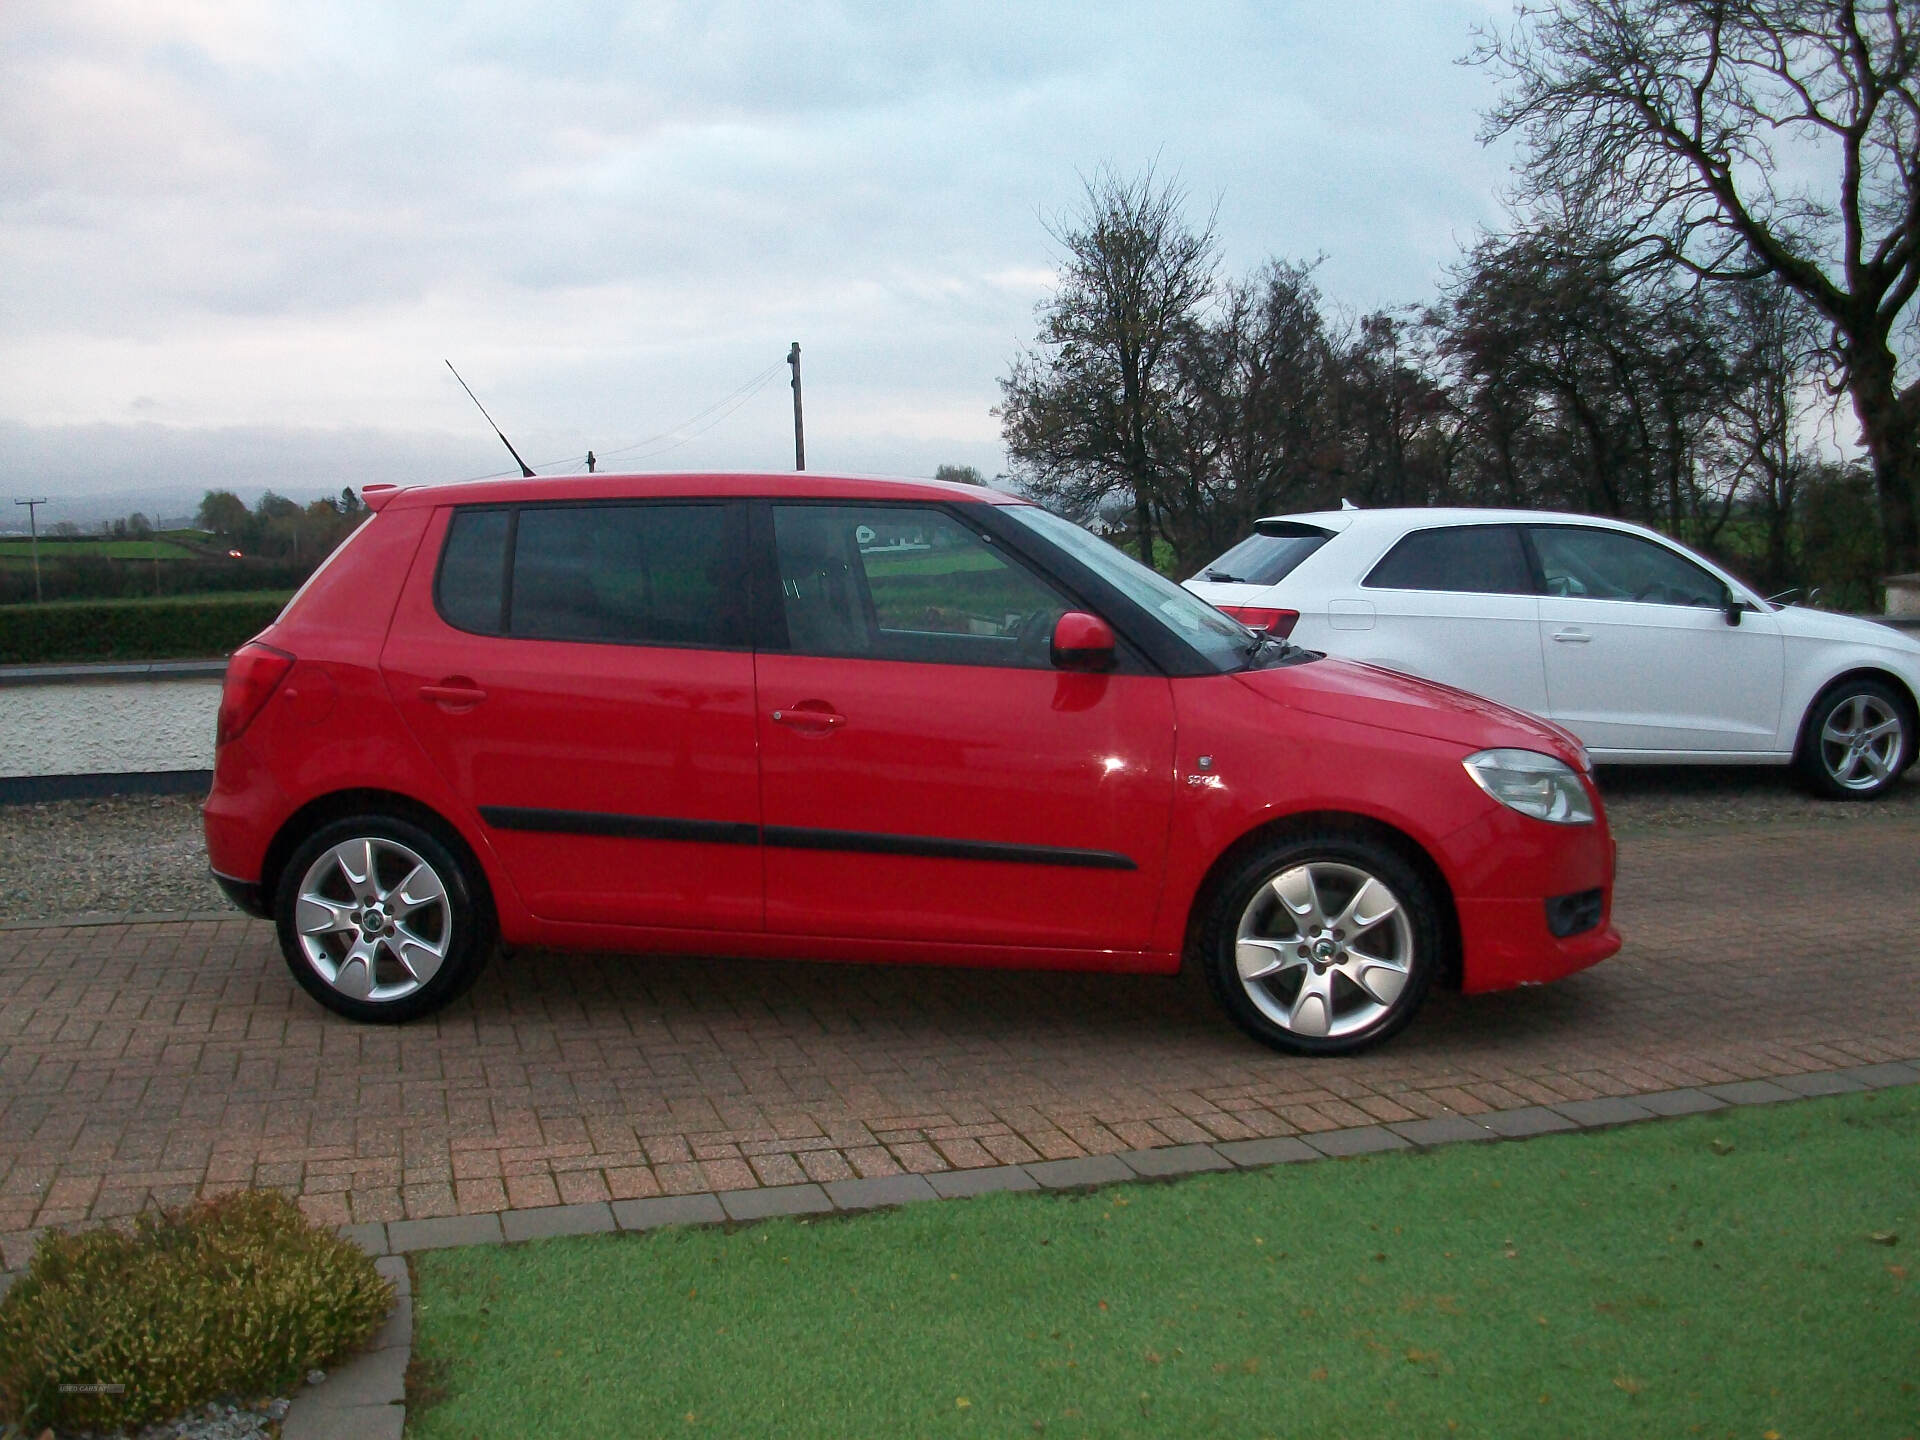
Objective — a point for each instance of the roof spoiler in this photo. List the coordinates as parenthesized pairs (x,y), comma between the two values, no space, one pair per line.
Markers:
(1288,529)
(375,497)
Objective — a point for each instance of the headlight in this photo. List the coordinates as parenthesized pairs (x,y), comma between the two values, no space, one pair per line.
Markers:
(1532,783)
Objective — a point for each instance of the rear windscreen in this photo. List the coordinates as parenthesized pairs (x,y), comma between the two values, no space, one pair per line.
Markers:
(1264,559)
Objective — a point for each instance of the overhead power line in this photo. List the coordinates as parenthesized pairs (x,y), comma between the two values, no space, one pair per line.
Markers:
(688,430)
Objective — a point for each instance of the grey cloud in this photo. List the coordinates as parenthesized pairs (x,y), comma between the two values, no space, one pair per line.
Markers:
(648,197)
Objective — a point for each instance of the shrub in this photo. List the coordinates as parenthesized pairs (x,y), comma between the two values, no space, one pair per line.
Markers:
(236,1295)
(203,626)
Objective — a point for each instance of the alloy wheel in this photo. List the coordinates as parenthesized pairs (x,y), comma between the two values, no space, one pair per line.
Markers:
(1324,949)
(1861,741)
(372,919)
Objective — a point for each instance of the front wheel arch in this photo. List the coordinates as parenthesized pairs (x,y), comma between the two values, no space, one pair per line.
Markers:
(1898,689)
(1285,827)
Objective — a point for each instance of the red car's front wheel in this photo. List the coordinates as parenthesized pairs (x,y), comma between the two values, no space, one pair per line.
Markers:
(1323,944)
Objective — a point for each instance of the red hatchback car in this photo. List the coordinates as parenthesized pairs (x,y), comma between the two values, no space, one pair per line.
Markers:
(797,716)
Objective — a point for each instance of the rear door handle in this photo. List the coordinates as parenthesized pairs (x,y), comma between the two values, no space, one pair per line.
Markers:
(809,719)
(1572,637)
(454,693)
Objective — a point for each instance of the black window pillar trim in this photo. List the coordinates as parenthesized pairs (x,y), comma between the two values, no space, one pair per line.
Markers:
(767,607)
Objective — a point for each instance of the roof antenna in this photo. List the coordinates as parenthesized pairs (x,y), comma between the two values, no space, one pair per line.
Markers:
(524,469)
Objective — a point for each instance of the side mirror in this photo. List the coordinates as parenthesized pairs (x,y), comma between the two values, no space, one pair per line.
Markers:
(1082,642)
(1734,608)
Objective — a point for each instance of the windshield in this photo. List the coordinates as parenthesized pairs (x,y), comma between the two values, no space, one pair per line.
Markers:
(1226,643)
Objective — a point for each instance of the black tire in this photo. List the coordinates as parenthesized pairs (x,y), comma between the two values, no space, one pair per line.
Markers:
(1833,766)
(425,901)
(1279,1010)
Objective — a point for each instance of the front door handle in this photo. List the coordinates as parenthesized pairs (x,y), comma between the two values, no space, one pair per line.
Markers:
(809,719)
(456,692)
(1572,637)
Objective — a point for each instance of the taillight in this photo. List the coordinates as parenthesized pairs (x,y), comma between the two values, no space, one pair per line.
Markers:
(1278,623)
(253,674)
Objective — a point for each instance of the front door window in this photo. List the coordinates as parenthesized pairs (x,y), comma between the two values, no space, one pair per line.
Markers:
(909,584)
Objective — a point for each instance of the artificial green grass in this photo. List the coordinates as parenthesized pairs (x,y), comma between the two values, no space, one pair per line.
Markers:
(1745,1273)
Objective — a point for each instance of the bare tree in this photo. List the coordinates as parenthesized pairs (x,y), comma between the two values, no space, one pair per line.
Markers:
(1773,349)
(1589,388)
(1249,429)
(1684,128)
(1081,411)
(1401,432)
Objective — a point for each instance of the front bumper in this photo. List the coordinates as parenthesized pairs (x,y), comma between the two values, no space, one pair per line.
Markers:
(1505,868)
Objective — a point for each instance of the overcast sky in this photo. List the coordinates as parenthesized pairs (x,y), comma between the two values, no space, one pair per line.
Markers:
(237,239)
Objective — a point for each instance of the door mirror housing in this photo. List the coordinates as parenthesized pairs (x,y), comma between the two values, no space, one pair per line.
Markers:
(1734,608)
(1082,642)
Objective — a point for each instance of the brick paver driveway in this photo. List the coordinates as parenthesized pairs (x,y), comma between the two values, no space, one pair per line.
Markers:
(143,1063)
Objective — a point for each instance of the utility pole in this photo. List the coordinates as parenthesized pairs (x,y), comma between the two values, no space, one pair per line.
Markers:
(590,462)
(799,432)
(33,524)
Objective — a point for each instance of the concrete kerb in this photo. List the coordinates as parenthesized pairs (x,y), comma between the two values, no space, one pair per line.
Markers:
(1089,1172)
(365,1397)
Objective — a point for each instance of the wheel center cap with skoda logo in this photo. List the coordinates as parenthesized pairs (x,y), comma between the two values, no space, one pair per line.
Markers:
(1325,951)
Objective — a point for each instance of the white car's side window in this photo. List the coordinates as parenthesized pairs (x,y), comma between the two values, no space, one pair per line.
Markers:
(1472,559)
(1609,565)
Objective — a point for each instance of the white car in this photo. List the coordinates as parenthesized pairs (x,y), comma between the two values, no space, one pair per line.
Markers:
(1648,652)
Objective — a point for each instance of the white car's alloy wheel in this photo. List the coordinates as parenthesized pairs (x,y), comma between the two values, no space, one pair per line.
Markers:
(1858,740)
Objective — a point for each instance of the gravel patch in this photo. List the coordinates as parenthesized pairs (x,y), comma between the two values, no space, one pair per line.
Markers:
(145,855)
(229,1419)
(1666,797)
(141,854)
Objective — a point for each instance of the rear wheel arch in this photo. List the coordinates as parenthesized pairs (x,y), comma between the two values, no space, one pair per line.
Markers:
(1285,827)
(339,804)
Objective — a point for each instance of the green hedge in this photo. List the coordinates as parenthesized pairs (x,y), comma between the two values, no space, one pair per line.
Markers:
(201,626)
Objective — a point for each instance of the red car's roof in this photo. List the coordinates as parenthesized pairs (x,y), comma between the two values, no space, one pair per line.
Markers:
(805,484)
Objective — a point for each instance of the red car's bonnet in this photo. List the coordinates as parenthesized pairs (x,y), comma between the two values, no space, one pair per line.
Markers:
(1369,695)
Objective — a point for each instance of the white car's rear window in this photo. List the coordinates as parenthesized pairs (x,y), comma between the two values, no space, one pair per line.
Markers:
(1264,559)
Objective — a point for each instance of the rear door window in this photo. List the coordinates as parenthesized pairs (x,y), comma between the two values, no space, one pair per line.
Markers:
(1478,559)
(631,573)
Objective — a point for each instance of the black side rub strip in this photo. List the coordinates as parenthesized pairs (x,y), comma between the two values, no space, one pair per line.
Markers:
(791,837)
(628,827)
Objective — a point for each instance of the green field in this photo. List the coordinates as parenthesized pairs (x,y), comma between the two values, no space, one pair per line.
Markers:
(215,599)
(51,550)
(1745,1273)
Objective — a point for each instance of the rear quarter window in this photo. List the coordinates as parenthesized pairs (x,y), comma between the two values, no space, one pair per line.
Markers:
(473,570)
(1477,559)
